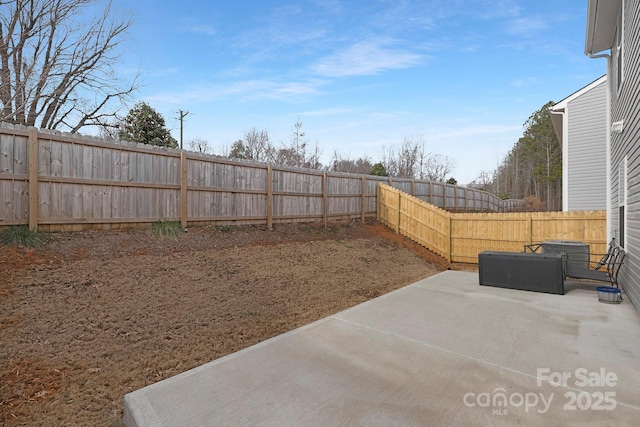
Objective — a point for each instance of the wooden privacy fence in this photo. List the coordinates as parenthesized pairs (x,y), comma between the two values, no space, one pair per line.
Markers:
(57,181)
(460,237)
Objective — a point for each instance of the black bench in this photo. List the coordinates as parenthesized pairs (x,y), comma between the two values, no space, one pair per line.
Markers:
(605,271)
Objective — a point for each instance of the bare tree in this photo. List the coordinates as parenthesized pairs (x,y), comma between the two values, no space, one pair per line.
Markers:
(257,145)
(298,153)
(199,145)
(405,162)
(299,144)
(300,157)
(312,160)
(57,72)
(342,163)
(485,182)
(436,168)
(411,160)
(110,129)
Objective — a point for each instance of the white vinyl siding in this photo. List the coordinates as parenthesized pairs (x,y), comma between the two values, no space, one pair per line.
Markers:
(586,150)
(625,146)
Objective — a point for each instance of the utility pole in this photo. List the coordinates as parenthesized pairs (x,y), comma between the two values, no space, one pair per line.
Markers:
(183,114)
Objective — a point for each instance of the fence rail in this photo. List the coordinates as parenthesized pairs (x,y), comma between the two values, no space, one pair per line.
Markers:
(55,181)
(460,237)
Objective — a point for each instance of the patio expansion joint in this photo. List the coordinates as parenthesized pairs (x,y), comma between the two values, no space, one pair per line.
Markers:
(466,356)
(434,347)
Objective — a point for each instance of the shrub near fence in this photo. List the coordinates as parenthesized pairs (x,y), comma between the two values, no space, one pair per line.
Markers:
(460,237)
(60,181)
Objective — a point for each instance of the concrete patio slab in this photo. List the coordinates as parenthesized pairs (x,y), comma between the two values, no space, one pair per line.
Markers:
(442,351)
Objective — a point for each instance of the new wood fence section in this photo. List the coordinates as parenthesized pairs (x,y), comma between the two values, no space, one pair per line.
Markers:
(460,237)
(55,181)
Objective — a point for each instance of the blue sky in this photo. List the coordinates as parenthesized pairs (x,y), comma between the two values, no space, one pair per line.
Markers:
(464,75)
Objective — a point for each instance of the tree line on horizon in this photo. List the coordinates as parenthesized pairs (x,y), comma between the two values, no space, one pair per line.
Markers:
(145,125)
(532,169)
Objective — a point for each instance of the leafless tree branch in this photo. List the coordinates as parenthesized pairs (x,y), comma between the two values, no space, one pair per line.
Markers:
(57,71)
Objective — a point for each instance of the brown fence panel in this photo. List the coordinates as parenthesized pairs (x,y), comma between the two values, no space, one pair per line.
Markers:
(401,184)
(439,197)
(460,237)
(344,196)
(14,178)
(61,181)
(389,206)
(474,233)
(585,226)
(297,197)
(220,191)
(425,224)
(371,194)
(84,182)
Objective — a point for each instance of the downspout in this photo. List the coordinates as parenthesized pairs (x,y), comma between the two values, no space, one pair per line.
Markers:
(607,143)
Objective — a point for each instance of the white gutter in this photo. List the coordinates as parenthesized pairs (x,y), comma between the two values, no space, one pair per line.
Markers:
(607,142)
(601,25)
(608,150)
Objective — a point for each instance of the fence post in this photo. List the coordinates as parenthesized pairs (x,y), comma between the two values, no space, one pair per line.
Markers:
(183,190)
(413,191)
(32,152)
(325,206)
(529,229)
(269,197)
(363,198)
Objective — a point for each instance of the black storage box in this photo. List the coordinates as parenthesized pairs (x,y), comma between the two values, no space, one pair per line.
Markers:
(537,272)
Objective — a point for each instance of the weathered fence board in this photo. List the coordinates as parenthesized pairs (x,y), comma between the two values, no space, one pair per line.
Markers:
(14,191)
(83,182)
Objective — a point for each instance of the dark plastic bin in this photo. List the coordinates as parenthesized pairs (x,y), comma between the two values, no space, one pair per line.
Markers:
(524,271)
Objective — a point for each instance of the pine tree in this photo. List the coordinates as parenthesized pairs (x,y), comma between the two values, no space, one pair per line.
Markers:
(145,125)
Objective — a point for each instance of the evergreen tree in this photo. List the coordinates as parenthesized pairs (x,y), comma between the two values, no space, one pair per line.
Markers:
(379,170)
(145,125)
(238,150)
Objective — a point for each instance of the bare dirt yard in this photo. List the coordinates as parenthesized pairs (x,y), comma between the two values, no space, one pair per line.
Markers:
(91,316)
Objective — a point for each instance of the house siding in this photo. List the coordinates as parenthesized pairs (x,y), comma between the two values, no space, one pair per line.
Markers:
(625,105)
(586,146)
